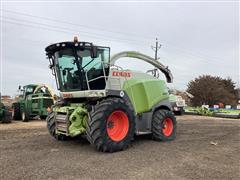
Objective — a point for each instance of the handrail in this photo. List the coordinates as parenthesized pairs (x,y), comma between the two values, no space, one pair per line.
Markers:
(104,73)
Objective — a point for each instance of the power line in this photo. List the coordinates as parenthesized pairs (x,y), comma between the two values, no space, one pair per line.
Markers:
(72,30)
(206,60)
(192,53)
(199,59)
(106,30)
(80,25)
(68,31)
(132,35)
(110,40)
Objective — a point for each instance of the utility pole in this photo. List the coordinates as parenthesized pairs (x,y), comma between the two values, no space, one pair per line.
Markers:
(156,48)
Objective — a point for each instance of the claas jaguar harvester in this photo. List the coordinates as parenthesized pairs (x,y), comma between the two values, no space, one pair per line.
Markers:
(105,103)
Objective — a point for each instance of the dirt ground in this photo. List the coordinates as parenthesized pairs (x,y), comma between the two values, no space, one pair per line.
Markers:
(205,148)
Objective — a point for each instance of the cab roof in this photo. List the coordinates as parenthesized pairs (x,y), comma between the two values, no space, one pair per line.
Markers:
(51,49)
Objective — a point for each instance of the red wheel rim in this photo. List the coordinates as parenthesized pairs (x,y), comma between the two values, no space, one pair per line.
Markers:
(167,126)
(117,125)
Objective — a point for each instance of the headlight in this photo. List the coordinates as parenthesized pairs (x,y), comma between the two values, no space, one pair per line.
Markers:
(95,94)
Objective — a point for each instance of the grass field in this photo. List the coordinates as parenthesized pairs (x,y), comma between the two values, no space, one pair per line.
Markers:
(211,112)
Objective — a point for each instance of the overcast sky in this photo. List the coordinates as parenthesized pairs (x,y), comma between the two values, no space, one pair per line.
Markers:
(197,37)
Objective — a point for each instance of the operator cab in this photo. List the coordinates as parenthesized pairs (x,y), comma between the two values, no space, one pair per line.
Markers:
(26,90)
(79,66)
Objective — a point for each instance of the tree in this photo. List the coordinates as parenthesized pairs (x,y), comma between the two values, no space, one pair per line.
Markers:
(212,90)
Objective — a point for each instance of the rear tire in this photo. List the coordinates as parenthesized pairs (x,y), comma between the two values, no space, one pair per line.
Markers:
(111,125)
(52,128)
(16,113)
(7,118)
(164,125)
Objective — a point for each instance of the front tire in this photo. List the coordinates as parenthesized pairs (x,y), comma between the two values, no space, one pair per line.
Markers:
(25,116)
(164,125)
(111,125)
(51,126)
(16,113)
(7,118)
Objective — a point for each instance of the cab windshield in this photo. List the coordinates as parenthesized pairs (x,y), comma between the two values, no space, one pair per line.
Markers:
(74,68)
(27,90)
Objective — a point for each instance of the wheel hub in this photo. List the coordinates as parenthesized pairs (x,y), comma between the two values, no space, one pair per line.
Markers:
(167,127)
(164,125)
(23,116)
(117,125)
(110,124)
(13,113)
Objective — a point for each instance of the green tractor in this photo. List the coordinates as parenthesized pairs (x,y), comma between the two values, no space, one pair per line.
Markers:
(103,102)
(34,100)
(5,112)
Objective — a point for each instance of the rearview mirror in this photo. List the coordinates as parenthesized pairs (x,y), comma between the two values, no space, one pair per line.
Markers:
(94,52)
(64,72)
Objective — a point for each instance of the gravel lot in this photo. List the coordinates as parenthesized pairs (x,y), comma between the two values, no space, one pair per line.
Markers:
(205,148)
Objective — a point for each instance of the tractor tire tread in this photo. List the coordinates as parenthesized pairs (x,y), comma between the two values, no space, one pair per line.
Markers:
(17,111)
(96,125)
(158,117)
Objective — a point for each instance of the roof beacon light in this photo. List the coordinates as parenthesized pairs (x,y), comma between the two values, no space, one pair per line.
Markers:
(75,39)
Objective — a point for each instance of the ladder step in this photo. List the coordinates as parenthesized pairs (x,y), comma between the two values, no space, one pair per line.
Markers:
(61,120)
(62,123)
(63,129)
(61,116)
(62,132)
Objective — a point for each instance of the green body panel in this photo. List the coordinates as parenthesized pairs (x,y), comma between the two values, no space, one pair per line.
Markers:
(38,103)
(78,117)
(172,98)
(78,121)
(2,112)
(2,109)
(145,93)
(34,106)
